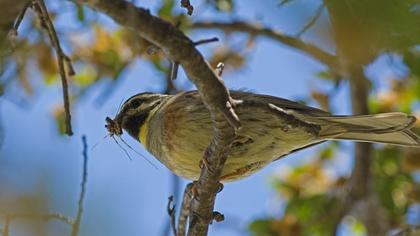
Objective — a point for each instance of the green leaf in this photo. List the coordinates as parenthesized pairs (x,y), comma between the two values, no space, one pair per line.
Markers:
(327,75)
(261,227)
(165,10)
(85,77)
(51,78)
(80,12)
(328,152)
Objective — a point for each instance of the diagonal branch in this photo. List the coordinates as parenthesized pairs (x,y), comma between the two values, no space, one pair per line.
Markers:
(213,92)
(64,64)
(11,10)
(311,21)
(239,26)
(19,19)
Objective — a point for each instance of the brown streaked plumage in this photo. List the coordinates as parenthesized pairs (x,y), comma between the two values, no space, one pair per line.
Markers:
(176,129)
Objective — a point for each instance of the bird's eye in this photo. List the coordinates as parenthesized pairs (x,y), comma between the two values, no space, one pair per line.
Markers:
(136,103)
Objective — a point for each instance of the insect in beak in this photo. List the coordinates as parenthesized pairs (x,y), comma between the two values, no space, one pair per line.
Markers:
(113,127)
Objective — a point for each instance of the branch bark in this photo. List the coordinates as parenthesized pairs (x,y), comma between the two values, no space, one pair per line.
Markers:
(8,16)
(213,92)
(295,43)
(64,64)
(361,195)
(361,181)
(75,227)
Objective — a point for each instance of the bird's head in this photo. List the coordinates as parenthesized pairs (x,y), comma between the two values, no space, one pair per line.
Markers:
(133,114)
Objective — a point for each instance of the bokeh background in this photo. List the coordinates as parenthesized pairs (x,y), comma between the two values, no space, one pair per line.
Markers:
(41,168)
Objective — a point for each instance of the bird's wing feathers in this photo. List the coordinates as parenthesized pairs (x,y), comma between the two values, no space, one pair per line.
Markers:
(279,102)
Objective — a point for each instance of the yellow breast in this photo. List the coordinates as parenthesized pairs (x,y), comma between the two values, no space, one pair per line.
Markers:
(143,133)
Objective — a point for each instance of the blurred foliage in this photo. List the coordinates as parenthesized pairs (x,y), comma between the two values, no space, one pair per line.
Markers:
(222,5)
(21,208)
(308,190)
(363,30)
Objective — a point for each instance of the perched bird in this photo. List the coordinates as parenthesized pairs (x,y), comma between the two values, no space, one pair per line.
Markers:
(177,129)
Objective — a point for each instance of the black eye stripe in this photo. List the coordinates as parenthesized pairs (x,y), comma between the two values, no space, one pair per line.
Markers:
(136,102)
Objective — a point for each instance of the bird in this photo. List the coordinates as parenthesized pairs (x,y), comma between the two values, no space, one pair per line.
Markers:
(176,130)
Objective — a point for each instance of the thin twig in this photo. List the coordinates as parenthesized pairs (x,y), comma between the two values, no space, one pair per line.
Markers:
(185,209)
(284,2)
(252,29)
(19,19)
(174,70)
(69,65)
(63,60)
(175,65)
(204,41)
(170,86)
(175,191)
(171,212)
(47,216)
(311,21)
(76,226)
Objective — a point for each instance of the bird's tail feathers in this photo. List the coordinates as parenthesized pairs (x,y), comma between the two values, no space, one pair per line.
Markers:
(391,128)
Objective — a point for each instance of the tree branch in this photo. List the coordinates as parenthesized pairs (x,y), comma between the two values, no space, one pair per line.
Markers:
(360,196)
(10,12)
(9,217)
(410,230)
(360,177)
(239,26)
(311,21)
(184,210)
(170,208)
(175,186)
(361,182)
(40,216)
(181,49)
(76,225)
(19,19)
(361,192)
(64,64)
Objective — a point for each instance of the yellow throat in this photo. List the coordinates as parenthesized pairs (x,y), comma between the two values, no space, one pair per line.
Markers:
(145,127)
(143,132)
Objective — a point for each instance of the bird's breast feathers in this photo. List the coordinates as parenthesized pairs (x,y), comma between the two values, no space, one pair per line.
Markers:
(183,129)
